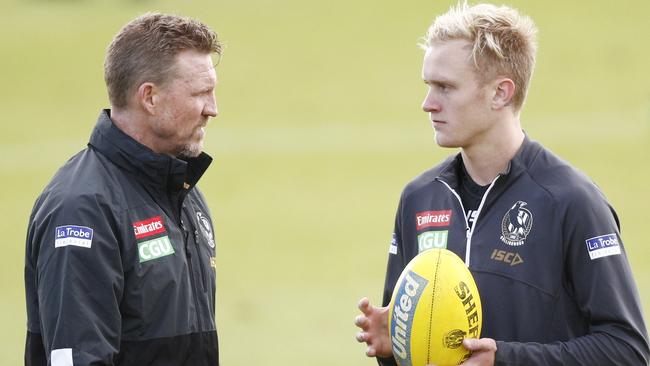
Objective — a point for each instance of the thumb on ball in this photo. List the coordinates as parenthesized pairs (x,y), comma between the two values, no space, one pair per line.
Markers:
(471,344)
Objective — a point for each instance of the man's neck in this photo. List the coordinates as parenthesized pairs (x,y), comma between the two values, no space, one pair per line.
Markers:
(486,160)
(134,124)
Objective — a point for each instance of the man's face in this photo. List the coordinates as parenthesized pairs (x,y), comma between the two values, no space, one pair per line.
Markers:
(186,102)
(458,105)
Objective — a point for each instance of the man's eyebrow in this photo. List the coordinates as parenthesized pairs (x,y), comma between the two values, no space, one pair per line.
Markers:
(437,81)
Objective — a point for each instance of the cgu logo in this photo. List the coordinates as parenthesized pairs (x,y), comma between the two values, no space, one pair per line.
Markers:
(432,239)
(154,249)
(510,258)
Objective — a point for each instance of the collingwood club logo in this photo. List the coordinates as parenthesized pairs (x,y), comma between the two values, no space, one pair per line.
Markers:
(206,228)
(516,224)
(454,338)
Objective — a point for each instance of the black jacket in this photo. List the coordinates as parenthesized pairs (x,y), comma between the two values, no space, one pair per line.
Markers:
(120,262)
(547,256)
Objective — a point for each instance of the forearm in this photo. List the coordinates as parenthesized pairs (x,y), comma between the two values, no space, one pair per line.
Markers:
(592,350)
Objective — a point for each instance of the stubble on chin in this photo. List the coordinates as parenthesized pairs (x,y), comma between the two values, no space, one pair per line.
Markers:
(191,151)
(193,148)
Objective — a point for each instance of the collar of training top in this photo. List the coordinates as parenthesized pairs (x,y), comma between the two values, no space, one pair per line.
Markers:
(161,170)
(523,158)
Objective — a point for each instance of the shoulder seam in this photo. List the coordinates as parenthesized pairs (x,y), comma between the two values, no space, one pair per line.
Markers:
(534,179)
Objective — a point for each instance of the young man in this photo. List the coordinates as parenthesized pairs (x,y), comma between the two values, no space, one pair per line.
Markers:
(120,262)
(539,237)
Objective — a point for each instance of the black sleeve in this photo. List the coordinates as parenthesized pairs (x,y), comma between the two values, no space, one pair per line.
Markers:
(602,285)
(74,283)
(394,269)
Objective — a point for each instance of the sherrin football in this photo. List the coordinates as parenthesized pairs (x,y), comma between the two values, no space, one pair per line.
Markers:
(435,305)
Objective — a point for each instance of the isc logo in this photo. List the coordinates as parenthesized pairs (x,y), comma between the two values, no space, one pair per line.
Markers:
(506,257)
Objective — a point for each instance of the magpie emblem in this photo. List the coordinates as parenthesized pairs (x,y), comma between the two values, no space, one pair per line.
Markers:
(516,224)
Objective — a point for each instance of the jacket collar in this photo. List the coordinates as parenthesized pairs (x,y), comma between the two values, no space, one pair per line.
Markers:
(160,170)
(451,168)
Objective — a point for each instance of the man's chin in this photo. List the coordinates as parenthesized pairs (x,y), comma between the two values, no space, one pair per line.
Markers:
(444,142)
(191,151)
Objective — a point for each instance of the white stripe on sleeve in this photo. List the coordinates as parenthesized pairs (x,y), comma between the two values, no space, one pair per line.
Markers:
(61,357)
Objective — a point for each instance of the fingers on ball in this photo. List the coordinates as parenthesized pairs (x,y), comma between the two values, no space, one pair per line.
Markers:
(361,337)
(370,352)
(361,321)
(364,304)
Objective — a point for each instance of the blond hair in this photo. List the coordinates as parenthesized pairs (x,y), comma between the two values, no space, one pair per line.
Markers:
(145,50)
(503,42)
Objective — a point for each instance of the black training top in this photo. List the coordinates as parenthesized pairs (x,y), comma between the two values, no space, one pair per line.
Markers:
(547,255)
(120,262)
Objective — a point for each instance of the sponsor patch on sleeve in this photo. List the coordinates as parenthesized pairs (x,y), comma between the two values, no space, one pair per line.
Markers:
(155,248)
(148,227)
(603,246)
(427,219)
(432,239)
(393,245)
(79,236)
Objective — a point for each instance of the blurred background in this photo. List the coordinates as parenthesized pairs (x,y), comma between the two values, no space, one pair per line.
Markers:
(320,127)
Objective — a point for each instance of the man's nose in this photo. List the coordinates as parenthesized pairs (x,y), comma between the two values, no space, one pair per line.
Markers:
(211,108)
(429,104)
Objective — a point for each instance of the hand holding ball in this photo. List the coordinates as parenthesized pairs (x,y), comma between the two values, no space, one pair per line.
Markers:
(435,305)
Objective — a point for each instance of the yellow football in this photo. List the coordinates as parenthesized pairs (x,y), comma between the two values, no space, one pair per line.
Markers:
(435,305)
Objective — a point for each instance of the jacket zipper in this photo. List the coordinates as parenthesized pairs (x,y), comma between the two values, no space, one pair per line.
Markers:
(470,231)
(201,269)
(192,279)
(195,232)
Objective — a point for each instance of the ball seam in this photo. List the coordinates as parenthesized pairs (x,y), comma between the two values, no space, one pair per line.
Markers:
(433,299)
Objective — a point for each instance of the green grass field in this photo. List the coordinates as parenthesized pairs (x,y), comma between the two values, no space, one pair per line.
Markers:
(320,127)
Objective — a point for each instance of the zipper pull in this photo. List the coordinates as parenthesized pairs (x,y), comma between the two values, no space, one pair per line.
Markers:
(468,233)
(185,235)
(196,237)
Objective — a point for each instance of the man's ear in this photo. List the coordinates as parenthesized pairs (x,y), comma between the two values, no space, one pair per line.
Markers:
(504,92)
(147,97)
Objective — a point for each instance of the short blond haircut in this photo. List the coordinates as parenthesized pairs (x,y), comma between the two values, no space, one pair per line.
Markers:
(504,42)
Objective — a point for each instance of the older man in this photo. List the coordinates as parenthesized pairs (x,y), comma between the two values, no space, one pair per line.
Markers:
(120,262)
(542,242)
